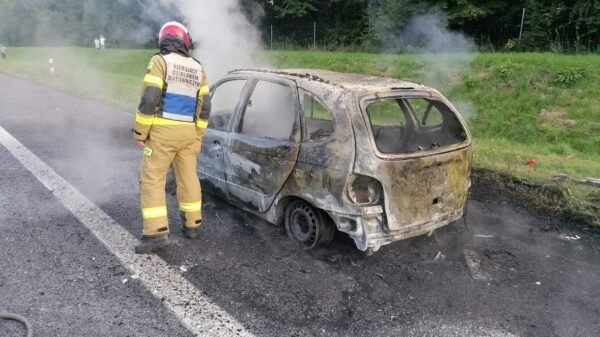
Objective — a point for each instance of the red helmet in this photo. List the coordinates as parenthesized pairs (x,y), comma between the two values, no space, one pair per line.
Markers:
(176,30)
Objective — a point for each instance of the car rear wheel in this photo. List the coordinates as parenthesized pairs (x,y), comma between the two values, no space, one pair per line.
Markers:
(307,226)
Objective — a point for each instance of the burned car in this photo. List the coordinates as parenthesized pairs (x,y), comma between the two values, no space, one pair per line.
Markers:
(377,158)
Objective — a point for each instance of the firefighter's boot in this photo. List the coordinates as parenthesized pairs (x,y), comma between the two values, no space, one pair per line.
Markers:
(150,244)
(190,232)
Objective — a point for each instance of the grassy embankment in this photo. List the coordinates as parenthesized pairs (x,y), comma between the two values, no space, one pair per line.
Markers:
(532,106)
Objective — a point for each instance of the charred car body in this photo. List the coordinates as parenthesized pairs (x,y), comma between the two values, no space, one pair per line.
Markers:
(377,158)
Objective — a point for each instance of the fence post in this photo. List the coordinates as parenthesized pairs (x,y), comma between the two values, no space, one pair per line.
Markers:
(315,35)
(271,37)
(522,21)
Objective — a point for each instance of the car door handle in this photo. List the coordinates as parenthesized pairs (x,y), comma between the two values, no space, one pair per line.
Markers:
(216,142)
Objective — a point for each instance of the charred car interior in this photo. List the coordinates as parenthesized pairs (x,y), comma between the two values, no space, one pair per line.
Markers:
(317,151)
(411,124)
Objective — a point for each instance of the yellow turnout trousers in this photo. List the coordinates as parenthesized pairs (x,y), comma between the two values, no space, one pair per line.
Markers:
(178,145)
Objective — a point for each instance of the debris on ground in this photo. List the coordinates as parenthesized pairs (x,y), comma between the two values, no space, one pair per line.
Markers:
(483,236)
(334,257)
(590,181)
(474,264)
(574,203)
(569,237)
(439,257)
(529,162)
(563,178)
(183,268)
(501,259)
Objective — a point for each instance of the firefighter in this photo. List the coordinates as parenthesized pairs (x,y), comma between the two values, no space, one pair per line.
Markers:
(169,125)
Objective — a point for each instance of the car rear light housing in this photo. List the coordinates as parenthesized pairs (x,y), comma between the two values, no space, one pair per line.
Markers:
(364,190)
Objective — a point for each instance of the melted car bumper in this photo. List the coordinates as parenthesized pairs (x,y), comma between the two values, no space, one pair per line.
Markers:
(367,229)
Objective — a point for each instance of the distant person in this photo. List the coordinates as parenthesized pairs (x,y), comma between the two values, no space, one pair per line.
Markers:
(169,126)
(102,42)
(51,67)
(97,43)
(3,51)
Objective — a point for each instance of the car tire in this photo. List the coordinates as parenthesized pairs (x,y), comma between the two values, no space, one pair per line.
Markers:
(306,226)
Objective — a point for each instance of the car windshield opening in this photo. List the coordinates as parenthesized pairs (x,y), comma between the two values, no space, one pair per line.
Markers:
(413,124)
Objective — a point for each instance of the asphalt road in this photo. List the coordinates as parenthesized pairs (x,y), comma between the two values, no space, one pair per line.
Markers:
(507,272)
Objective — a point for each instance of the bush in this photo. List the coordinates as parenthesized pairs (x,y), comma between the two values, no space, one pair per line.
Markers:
(505,69)
(568,76)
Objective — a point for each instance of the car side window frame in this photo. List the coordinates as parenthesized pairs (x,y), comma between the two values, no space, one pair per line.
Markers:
(242,98)
(305,139)
(249,90)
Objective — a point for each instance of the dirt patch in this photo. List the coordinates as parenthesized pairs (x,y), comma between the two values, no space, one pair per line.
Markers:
(546,196)
(555,117)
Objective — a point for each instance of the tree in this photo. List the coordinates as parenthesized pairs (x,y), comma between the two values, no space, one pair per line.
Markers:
(563,25)
(388,18)
(293,8)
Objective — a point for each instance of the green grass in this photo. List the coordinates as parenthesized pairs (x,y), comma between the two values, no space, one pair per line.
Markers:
(523,98)
(111,76)
(518,106)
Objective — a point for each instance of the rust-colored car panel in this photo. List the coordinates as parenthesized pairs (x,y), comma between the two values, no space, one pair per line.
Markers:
(385,159)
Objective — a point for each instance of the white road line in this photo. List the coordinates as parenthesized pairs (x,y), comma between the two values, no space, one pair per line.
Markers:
(192,308)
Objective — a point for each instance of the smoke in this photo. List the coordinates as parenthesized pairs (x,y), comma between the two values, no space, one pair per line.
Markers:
(223,34)
(430,33)
(445,55)
(223,30)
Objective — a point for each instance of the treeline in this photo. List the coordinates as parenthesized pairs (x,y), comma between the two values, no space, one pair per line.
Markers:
(372,25)
(549,25)
(77,22)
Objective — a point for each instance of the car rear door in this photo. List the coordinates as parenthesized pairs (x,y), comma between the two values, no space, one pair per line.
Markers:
(226,98)
(264,143)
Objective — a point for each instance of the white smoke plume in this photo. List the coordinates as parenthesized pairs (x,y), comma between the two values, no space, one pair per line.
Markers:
(446,55)
(429,32)
(448,58)
(225,38)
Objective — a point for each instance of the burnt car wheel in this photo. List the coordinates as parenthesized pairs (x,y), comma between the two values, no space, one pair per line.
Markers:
(307,226)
